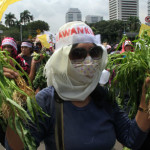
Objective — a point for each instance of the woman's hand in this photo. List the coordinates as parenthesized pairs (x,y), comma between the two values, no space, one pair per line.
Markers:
(33,67)
(143,103)
(20,55)
(13,139)
(142,116)
(39,60)
(9,73)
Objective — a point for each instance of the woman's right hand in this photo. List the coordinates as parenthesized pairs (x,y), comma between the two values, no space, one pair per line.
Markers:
(9,73)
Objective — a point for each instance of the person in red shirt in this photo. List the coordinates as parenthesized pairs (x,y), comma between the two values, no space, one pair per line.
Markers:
(10,45)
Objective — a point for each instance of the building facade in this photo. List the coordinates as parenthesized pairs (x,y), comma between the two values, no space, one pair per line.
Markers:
(93,18)
(148,7)
(73,14)
(123,9)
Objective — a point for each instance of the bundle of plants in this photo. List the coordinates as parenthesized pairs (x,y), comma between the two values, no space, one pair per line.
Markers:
(131,69)
(40,80)
(16,97)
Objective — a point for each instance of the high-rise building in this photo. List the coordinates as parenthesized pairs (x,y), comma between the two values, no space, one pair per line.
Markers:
(148,7)
(123,9)
(73,14)
(93,18)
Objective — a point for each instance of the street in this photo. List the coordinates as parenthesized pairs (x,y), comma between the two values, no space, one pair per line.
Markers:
(117,146)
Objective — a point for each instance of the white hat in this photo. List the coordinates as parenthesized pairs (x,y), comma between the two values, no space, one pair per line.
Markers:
(74,32)
(127,42)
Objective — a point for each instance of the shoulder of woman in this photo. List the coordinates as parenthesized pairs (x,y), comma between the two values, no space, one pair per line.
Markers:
(45,98)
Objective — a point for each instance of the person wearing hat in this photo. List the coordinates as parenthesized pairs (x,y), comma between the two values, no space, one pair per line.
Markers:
(26,51)
(127,46)
(82,117)
(9,44)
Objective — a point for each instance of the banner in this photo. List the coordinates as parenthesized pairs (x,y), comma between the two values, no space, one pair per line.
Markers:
(43,40)
(98,38)
(4,4)
(50,37)
(146,28)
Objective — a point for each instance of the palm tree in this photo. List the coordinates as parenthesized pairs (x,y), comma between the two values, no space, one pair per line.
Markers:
(10,20)
(25,17)
(17,22)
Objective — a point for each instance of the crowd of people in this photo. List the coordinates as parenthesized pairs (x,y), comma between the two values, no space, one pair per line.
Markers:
(82,115)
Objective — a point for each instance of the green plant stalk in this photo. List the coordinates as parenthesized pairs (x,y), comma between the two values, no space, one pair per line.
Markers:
(19,114)
(131,69)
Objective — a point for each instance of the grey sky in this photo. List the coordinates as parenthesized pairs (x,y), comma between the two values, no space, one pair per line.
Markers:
(53,11)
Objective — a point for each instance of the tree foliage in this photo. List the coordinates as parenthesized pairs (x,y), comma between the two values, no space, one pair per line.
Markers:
(133,24)
(10,20)
(25,17)
(112,30)
(38,25)
(2,27)
(12,32)
(14,26)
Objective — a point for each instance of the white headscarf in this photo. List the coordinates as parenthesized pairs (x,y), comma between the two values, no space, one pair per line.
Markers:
(60,73)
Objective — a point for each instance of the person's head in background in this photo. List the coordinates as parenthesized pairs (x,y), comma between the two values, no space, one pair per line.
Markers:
(18,47)
(38,47)
(109,48)
(9,44)
(127,46)
(105,43)
(51,50)
(26,48)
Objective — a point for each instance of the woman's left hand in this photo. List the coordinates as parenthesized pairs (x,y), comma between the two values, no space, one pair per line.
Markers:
(143,115)
(9,73)
(146,85)
(39,60)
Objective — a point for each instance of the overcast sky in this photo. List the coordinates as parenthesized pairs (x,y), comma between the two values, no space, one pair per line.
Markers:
(53,11)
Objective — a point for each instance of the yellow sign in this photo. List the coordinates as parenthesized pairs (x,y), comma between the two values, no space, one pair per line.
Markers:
(144,27)
(30,37)
(38,31)
(4,4)
(43,39)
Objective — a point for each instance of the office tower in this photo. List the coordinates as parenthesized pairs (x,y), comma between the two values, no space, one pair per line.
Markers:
(73,14)
(148,7)
(123,9)
(93,18)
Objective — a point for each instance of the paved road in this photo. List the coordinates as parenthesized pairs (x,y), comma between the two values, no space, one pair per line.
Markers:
(42,147)
(118,146)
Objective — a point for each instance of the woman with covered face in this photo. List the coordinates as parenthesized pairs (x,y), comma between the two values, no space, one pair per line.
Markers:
(82,117)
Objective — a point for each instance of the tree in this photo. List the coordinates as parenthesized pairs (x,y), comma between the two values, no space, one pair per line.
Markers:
(37,25)
(25,17)
(2,27)
(13,32)
(17,23)
(10,19)
(133,23)
(112,30)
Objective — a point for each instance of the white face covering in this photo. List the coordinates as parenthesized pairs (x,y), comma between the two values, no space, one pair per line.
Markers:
(88,67)
(68,82)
